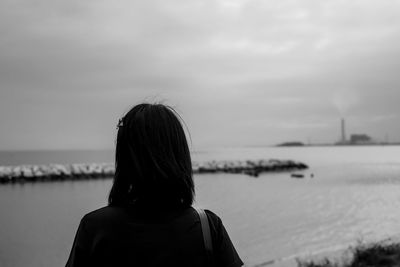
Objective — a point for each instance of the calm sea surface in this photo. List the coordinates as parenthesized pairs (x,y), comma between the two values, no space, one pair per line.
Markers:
(354,194)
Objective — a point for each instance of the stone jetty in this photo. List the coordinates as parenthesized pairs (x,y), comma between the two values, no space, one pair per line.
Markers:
(56,172)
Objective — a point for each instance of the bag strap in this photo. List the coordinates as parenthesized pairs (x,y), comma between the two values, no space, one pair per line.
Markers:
(205,228)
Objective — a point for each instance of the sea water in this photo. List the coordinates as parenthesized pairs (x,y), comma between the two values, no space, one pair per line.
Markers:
(348,194)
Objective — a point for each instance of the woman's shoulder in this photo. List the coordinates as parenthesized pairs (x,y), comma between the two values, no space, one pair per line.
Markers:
(116,213)
(104,211)
(214,219)
(103,214)
(211,214)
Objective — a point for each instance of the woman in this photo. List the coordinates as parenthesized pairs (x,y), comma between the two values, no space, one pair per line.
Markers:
(149,220)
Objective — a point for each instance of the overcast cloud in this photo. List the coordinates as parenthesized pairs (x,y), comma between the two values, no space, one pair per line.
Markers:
(239,72)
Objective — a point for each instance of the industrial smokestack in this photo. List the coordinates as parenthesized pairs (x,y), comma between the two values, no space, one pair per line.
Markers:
(343,131)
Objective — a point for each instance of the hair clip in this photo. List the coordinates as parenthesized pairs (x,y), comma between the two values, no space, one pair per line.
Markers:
(120,123)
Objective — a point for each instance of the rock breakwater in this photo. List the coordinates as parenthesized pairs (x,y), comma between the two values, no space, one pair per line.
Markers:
(56,172)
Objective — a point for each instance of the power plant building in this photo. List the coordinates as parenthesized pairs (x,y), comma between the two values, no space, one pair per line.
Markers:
(355,139)
(359,139)
(343,139)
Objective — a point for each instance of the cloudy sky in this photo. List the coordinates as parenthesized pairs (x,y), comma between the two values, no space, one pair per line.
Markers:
(240,72)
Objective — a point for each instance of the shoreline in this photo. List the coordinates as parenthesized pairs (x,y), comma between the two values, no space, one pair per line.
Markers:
(374,253)
(57,172)
(385,253)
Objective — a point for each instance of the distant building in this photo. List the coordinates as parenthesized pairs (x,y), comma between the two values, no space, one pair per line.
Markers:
(360,139)
(343,139)
(343,128)
(355,139)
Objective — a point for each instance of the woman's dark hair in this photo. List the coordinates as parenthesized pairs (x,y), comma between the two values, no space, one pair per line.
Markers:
(152,159)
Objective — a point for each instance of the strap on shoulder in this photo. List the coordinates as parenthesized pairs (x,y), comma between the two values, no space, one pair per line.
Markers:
(205,227)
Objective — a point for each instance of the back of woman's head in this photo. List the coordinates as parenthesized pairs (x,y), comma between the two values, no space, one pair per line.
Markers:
(152,159)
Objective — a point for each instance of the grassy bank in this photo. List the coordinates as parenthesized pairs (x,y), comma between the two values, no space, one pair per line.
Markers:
(382,254)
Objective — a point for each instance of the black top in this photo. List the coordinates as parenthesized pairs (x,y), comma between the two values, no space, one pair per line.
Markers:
(117,236)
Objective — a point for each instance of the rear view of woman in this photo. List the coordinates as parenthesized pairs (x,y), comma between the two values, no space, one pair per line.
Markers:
(149,220)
